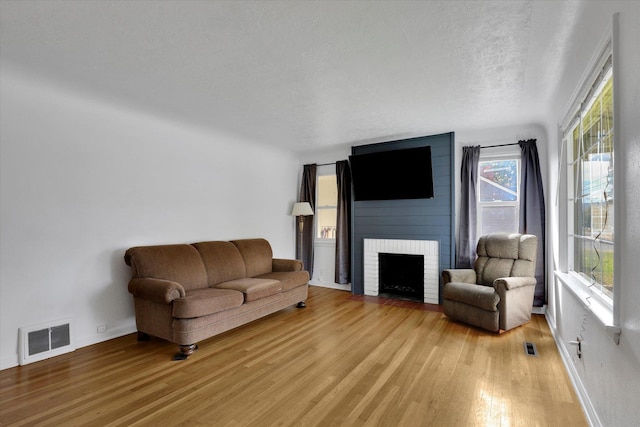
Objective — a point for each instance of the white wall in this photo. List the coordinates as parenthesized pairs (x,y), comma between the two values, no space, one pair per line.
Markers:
(608,375)
(82,180)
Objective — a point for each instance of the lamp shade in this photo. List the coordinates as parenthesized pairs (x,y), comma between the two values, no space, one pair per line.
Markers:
(301,208)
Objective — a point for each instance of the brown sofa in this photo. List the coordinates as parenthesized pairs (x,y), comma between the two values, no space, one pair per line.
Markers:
(186,293)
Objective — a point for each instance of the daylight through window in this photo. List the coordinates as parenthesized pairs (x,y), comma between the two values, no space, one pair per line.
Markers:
(590,150)
(326,210)
(499,202)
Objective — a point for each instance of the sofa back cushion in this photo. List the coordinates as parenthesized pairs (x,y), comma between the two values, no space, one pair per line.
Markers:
(505,255)
(257,255)
(178,263)
(222,261)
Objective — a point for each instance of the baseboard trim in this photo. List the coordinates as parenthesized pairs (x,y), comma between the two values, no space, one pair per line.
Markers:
(539,310)
(9,362)
(109,335)
(333,286)
(581,391)
(13,361)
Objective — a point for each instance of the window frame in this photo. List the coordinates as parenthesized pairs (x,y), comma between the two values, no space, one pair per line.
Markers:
(487,154)
(324,170)
(575,193)
(601,304)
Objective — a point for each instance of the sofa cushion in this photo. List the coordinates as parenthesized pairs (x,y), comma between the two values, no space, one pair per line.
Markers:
(222,261)
(177,263)
(257,255)
(200,302)
(288,279)
(484,297)
(252,288)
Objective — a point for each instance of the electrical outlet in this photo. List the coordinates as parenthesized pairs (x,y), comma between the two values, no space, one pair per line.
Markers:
(578,343)
(101,329)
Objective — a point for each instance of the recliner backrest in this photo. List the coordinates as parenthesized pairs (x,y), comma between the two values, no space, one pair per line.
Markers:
(505,255)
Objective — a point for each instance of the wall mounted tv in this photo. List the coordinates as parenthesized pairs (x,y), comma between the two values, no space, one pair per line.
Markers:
(392,175)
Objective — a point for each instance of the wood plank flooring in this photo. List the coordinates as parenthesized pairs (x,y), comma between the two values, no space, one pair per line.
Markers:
(338,362)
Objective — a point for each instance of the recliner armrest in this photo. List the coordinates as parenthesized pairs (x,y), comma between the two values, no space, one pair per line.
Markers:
(507,283)
(516,300)
(286,264)
(459,275)
(156,290)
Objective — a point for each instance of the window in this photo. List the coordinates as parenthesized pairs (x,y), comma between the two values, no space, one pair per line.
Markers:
(589,141)
(499,194)
(327,201)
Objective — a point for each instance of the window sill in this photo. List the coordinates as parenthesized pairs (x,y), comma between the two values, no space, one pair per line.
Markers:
(324,242)
(602,311)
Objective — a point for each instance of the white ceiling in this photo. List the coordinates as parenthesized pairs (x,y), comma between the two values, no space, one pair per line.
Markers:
(303,75)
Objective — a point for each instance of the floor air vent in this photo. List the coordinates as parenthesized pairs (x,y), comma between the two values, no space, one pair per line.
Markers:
(39,342)
(530,349)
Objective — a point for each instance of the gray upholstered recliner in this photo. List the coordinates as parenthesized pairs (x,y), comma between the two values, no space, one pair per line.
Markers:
(498,292)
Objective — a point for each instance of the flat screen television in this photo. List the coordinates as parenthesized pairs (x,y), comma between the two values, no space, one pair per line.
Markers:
(392,175)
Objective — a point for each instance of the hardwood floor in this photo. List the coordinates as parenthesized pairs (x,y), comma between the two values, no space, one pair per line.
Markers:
(337,362)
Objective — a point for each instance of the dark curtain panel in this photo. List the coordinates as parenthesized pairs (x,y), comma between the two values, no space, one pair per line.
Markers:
(532,211)
(343,223)
(467,239)
(304,240)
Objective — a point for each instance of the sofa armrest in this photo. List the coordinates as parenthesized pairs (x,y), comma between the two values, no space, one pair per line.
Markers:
(506,283)
(459,275)
(156,290)
(286,264)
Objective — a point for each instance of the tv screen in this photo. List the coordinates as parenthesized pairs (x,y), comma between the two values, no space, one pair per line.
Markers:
(392,175)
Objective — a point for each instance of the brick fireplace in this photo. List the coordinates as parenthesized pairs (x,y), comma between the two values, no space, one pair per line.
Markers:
(429,249)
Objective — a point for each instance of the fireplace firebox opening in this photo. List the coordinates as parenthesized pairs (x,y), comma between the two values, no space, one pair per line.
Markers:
(401,276)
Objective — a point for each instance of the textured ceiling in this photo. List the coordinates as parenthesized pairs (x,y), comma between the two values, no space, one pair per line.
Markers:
(302,75)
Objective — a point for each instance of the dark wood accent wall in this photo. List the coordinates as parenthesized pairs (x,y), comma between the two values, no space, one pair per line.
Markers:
(416,219)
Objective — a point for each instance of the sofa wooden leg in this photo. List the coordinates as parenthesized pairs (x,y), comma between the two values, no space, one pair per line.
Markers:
(185,351)
(143,336)
(301,304)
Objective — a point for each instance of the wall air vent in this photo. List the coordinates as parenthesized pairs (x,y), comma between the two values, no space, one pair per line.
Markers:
(45,340)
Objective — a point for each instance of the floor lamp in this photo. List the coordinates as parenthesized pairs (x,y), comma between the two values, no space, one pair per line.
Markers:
(300,210)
